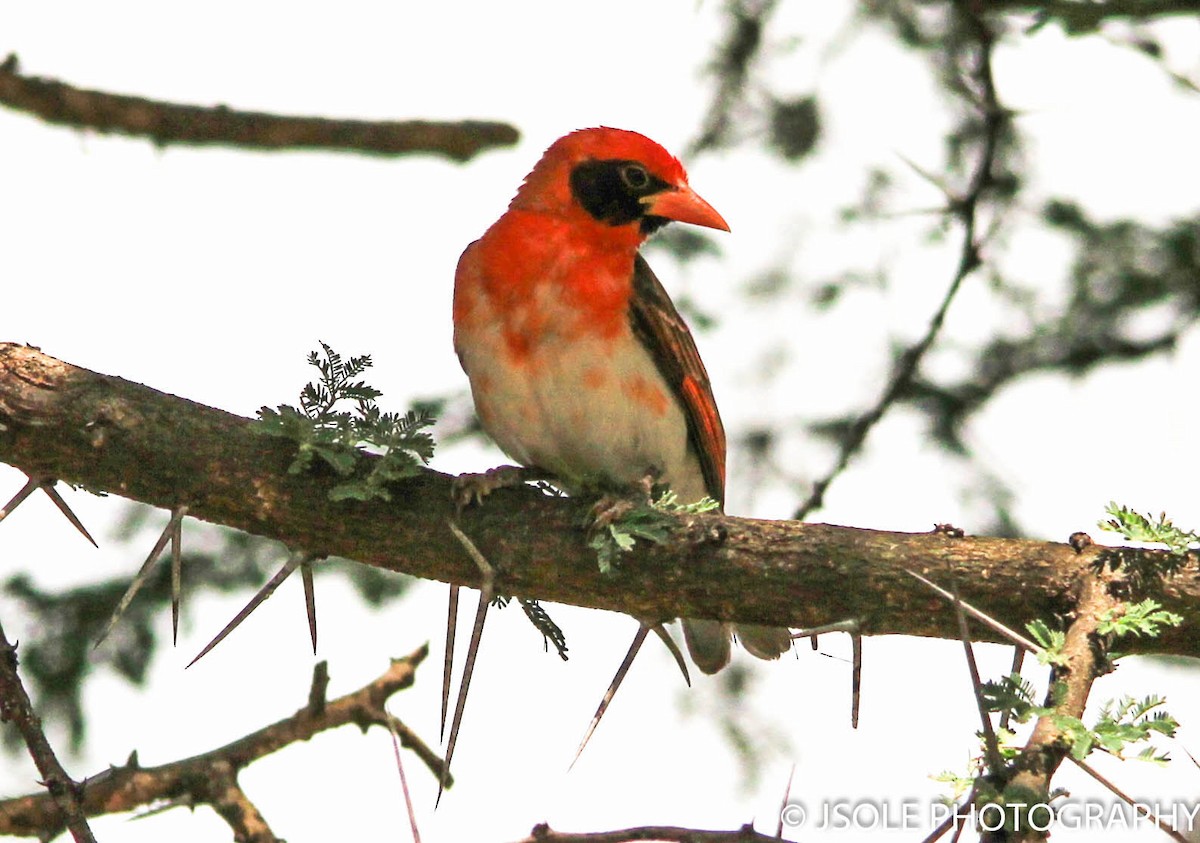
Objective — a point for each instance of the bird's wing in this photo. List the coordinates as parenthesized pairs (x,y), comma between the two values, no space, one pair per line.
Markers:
(660,327)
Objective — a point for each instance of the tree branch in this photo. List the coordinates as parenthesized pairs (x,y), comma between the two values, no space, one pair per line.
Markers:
(746,834)
(60,421)
(173,123)
(1086,660)
(992,121)
(211,778)
(63,796)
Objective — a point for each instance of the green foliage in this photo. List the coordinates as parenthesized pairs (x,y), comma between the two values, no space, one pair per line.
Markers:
(1142,528)
(339,437)
(959,785)
(1050,640)
(1144,618)
(1011,695)
(652,521)
(1121,725)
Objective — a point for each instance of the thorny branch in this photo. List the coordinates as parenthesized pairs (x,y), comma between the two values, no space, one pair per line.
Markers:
(1013,787)
(1086,661)
(993,119)
(64,797)
(211,778)
(109,434)
(167,123)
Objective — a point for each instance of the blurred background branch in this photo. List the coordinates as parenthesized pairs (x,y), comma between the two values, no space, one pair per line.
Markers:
(167,123)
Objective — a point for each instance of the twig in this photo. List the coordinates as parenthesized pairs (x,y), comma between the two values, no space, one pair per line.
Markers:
(1082,663)
(993,118)
(1138,808)
(787,797)
(205,779)
(233,805)
(64,793)
(408,802)
(991,745)
(1015,637)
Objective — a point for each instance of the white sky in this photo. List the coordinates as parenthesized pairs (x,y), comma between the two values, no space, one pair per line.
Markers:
(211,273)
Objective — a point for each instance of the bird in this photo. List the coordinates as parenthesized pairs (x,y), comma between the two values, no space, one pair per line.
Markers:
(580,366)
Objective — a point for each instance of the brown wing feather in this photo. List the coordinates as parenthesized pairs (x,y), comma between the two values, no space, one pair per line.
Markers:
(658,324)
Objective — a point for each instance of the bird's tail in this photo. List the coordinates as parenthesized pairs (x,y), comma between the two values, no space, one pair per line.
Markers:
(764,642)
(708,642)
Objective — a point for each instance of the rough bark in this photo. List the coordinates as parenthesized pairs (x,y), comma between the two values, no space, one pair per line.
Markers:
(106,433)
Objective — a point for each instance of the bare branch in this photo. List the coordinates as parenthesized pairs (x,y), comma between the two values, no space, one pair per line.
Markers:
(166,123)
(211,778)
(109,434)
(233,805)
(1139,809)
(63,800)
(993,119)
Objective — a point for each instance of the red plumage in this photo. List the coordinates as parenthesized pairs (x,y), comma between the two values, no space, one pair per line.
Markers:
(579,363)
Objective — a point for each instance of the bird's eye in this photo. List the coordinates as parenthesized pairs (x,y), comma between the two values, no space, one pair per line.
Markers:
(635,176)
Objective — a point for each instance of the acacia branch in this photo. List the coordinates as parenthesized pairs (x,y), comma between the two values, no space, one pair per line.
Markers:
(62,792)
(175,123)
(106,433)
(1085,660)
(211,778)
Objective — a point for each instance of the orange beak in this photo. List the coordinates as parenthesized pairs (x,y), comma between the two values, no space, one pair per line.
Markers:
(683,205)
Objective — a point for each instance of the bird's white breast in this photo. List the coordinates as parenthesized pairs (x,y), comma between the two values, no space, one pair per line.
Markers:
(589,408)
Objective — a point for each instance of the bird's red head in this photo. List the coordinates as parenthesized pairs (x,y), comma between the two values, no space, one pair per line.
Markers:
(616,177)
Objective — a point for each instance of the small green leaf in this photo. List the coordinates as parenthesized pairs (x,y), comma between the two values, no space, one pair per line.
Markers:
(342,437)
(1052,642)
(1144,618)
(1135,526)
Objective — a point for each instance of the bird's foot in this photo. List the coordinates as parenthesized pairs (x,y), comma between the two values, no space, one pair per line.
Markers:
(607,511)
(467,489)
(611,508)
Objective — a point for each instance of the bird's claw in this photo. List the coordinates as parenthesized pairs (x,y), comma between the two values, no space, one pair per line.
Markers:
(470,488)
(610,509)
(607,511)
